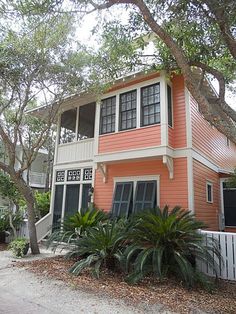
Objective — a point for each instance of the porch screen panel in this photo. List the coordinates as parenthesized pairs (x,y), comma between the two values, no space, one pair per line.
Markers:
(230,207)
(122,204)
(72,199)
(57,204)
(145,195)
(85,195)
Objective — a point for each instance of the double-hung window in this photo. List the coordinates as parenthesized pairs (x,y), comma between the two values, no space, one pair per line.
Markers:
(128,110)
(150,105)
(108,115)
(125,201)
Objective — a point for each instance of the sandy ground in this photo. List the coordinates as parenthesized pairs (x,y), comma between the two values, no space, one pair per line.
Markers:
(23,292)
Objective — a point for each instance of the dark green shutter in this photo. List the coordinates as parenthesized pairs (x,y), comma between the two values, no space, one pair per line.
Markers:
(122,200)
(145,195)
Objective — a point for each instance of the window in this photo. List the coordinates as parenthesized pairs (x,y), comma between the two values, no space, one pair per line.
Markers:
(169,103)
(209,192)
(86,121)
(150,105)
(128,110)
(122,200)
(125,201)
(68,125)
(108,115)
(145,195)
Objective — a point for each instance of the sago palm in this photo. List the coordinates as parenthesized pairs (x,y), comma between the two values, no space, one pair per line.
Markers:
(165,243)
(99,246)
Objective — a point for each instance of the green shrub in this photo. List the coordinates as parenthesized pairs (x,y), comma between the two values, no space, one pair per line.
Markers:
(75,226)
(19,247)
(43,202)
(99,246)
(167,243)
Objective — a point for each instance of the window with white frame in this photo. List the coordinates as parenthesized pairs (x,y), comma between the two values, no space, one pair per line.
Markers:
(68,126)
(128,103)
(134,196)
(108,115)
(150,105)
(209,192)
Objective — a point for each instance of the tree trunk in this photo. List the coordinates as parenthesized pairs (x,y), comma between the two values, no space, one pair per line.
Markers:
(27,193)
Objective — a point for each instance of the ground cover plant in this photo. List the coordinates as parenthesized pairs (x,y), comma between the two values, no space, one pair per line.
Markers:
(75,226)
(161,243)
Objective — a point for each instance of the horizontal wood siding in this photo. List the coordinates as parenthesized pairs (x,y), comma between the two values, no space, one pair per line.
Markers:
(172,192)
(138,138)
(210,141)
(171,137)
(179,110)
(205,211)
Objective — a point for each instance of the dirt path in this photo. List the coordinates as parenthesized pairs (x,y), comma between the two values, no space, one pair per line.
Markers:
(23,292)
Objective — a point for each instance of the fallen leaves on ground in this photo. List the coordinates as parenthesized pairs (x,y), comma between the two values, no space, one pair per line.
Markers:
(168,293)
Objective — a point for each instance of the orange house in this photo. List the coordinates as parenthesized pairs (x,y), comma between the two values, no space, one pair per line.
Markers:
(144,143)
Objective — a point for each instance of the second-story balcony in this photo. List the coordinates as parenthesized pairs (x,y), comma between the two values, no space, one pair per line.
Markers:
(75,151)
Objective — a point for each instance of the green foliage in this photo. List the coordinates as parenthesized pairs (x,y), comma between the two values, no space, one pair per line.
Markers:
(231,182)
(85,218)
(43,202)
(99,246)
(76,225)
(17,219)
(19,247)
(166,243)
(8,189)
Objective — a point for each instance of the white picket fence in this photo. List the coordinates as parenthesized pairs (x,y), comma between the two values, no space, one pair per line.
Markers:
(227,243)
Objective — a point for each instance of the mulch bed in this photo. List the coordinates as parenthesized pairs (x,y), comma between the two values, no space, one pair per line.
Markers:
(169,293)
(3,246)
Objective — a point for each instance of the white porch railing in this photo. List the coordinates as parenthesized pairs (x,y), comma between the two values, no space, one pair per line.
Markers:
(77,151)
(43,228)
(227,242)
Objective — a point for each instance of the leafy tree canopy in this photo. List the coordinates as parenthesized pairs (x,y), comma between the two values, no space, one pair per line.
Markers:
(195,37)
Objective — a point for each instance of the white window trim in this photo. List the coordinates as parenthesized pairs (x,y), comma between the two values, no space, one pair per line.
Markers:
(172,107)
(209,183)
(135,179)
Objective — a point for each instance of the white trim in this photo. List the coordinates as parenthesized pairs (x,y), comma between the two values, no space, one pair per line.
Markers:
(190,183)
(188,118)
(117,114)
(77,125)
(138,109)
(135,179)
(164,111)
(205,161)
(63,203)
(96,127)
(209,183)
(134,86)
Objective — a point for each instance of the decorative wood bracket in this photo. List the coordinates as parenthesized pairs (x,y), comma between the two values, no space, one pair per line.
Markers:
(103,170)
(168,161)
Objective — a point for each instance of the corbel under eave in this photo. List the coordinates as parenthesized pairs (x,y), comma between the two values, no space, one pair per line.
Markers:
(168,161)
(103,170)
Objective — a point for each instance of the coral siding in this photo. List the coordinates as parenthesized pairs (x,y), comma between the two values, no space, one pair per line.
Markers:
(205,211)
(126,140)
(172,192)
(210,141)
(178,138)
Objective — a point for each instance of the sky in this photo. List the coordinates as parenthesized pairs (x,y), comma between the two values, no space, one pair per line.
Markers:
(87,24)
